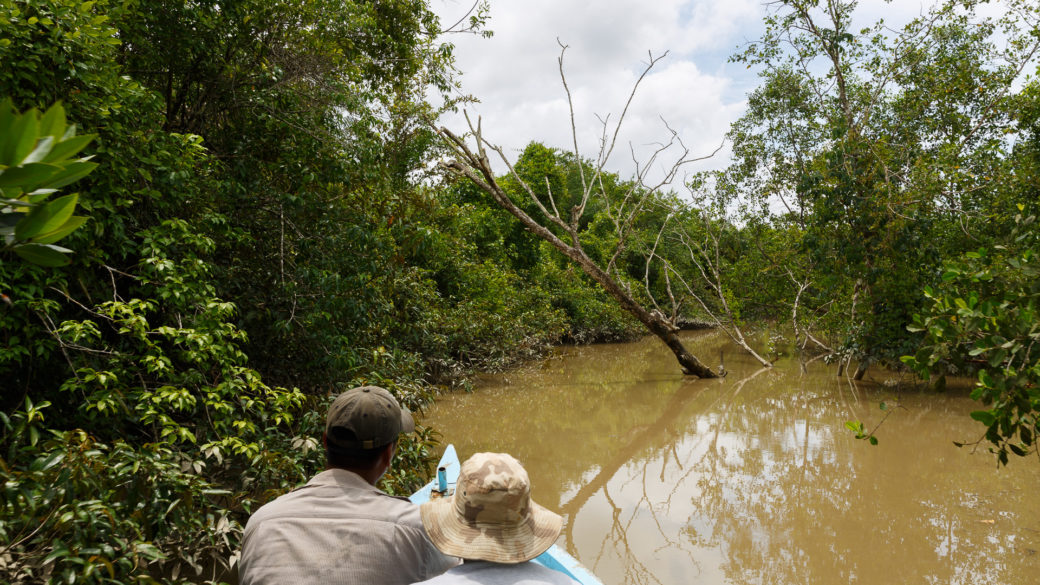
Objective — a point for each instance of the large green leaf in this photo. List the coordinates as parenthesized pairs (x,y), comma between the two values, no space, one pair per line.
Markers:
(984,416)
(29,175)
(21,139)
(41,150)
(7,116)
(43,254)
(73,172)
(52,123)
(66,228)
(68,147)
(47,218)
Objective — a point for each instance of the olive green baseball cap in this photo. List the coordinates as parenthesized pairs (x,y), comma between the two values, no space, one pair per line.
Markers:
(365,418)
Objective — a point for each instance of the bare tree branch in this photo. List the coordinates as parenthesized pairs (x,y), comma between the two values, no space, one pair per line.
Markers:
(471,163)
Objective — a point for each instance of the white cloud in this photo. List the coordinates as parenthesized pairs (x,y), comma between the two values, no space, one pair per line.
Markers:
(514,74)
(516,78)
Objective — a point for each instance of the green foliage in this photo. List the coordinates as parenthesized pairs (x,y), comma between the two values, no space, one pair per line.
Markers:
(590,314)
(558,301)
(474,308)
(80,510)
(887,150)
(36,159)
(984,320)
(157,438)
(264,233)
(183,438)
(538,167)
(313,114)
(50,51)
(258,218)
(861,432)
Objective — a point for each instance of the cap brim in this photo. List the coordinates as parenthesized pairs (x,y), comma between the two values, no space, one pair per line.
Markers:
(485,541)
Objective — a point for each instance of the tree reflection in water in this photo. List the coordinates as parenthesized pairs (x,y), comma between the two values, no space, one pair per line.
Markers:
(753,479)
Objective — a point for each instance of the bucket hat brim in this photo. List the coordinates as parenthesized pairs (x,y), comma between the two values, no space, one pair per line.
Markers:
(486,541)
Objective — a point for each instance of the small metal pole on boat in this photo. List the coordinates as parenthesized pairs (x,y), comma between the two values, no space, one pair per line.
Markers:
(442,479)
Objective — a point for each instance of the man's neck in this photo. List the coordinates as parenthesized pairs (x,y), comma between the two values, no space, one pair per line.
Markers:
(372,476)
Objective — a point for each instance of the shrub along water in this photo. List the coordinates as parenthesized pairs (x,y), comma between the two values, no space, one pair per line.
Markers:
(243,224)
(255,237)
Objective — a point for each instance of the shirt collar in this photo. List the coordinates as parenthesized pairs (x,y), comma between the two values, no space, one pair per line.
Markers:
(342,477)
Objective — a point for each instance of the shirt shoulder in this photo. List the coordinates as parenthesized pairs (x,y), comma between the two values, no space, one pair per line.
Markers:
(338,493)
(338,525)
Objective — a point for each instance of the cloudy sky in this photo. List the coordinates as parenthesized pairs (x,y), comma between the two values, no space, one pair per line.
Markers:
(514,74)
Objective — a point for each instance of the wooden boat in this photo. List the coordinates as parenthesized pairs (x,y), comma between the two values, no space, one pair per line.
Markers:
(444,484)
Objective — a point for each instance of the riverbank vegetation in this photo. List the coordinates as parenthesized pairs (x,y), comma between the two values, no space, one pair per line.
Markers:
(870,162)
(259,222)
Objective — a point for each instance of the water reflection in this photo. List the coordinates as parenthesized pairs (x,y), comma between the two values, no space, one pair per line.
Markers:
(752,479)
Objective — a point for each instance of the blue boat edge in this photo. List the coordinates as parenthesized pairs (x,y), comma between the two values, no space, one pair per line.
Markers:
(555,558)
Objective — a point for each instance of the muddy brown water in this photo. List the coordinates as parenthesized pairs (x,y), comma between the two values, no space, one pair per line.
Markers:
(753,479)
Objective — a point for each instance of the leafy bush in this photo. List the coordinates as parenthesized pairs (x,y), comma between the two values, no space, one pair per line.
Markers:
(985,321)
(182,438)
(36,159)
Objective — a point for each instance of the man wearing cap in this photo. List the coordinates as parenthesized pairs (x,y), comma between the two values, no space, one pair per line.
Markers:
(339,528)
(492,522)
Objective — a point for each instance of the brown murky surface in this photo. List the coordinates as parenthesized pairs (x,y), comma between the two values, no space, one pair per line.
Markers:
(753,479)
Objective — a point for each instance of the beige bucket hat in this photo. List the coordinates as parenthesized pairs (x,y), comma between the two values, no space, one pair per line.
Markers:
(491,516)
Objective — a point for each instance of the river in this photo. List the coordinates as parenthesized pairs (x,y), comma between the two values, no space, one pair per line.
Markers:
(753,478)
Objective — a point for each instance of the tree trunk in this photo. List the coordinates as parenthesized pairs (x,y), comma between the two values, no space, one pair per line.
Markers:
(478,170)
(690,365)
(862,369)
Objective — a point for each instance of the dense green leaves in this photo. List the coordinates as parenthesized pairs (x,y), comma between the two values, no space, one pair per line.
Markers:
(263,231)
(984,321)
(884,147)
(261,235)
(35,161)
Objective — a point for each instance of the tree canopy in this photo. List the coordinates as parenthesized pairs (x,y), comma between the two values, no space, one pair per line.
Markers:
(217,216)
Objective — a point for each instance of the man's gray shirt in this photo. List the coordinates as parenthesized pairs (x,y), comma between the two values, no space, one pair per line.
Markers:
(338,529)
(487,573)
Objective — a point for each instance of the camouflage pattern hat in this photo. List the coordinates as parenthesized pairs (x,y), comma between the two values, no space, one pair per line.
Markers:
(491,516)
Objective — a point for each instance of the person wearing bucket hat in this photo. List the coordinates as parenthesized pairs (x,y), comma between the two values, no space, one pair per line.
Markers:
(339,527)
(494,525)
